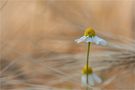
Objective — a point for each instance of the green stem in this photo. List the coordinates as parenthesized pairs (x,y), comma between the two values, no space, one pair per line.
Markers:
(87,62)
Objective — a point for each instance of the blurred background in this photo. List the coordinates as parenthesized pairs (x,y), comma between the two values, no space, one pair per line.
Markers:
(38,52)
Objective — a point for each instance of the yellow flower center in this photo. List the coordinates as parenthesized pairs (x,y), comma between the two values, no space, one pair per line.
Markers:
(89,32)
(87,70)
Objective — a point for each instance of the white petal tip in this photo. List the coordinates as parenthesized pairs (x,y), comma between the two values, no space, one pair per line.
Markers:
(82,39)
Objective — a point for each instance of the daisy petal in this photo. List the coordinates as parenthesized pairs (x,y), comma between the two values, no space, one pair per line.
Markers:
(99,41)
(82,39)
(96,78)
(91,80)
(89,40)
(84,83)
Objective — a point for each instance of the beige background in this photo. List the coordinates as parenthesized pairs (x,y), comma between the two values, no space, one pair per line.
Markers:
(45,30)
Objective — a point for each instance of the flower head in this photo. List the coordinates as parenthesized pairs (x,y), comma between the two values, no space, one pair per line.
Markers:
(92,77)
(89,32)
(90,36)
(87,69)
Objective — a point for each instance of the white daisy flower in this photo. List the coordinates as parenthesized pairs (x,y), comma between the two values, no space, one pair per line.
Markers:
(92,77)
(90,36)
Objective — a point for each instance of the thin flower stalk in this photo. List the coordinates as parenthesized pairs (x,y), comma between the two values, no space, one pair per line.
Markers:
(87,62)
